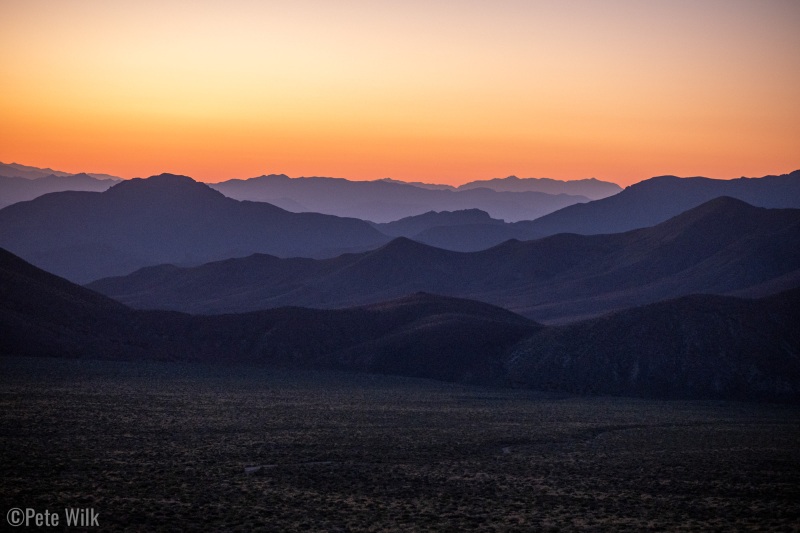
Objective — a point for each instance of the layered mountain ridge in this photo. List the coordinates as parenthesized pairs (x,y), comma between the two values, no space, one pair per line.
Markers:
(165,219)
(707,347)
(721,247)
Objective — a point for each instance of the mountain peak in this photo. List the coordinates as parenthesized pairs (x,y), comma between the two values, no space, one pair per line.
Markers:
(169,178)
(405,246)
(164,188)
(723,203)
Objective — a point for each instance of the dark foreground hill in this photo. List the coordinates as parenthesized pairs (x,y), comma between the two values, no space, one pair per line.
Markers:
(698,346)
(721,247)
(419,335)
(695,347)
(165,219)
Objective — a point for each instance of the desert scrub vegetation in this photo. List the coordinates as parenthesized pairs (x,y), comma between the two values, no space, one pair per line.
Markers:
(160,446)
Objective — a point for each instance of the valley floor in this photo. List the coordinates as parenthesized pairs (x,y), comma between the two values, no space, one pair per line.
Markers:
(159,446)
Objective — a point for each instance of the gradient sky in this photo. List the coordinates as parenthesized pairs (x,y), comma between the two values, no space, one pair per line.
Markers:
(436,91)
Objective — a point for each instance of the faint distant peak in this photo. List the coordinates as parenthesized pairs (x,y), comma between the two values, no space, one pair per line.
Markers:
(422,185)
(590,188)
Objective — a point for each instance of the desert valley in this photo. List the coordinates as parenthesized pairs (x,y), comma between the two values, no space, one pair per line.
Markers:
(370,266)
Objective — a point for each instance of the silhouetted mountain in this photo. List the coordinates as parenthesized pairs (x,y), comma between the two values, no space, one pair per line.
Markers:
(695,347)
(468,230)
(591,188)
(165,219)
(412,226)
(655,200)
(13,190)
(720,247)
(15,170)
(385,201)
(419,335)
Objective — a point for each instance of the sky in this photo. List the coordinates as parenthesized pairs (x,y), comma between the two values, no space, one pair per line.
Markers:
(436,91)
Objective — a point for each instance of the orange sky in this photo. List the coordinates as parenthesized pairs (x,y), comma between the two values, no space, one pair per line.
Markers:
(436,91)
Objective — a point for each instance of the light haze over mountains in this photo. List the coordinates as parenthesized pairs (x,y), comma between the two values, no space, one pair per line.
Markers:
(85,236)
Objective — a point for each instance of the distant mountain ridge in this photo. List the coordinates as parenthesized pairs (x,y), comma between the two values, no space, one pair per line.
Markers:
(721,247)
(696,347)
(166,218)
(16,170)
(591,188)
(652,201)
(15,189)
(413,226)
(385,201)
(644,204)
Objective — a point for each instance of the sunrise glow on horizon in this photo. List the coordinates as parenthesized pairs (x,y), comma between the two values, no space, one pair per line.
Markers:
(435,91)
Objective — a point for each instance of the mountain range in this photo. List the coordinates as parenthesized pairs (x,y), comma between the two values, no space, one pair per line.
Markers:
(165,219)
(89,235)
(644,204)
(591,188)
(16,170)
(724,246)
(384,201)
(335,196)
(694,347)
(655,200)
(418,335)
(17,189)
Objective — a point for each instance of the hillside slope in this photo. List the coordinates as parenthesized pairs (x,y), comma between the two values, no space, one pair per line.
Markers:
(694,347)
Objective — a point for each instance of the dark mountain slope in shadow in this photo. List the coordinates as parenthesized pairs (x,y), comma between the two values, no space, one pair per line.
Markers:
(165,219)
(722,246)
(419,335)
(695,347)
